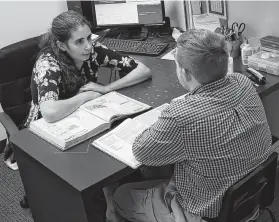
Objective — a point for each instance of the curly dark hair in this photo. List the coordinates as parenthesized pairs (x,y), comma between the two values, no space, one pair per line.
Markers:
(61,29)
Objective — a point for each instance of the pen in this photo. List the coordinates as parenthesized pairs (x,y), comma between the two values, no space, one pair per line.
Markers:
(255,84)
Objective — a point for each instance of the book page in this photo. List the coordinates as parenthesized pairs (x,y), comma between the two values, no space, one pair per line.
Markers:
(123,135)
(119,141)
(129,131)
(151,116)
(73,126)
(112,105)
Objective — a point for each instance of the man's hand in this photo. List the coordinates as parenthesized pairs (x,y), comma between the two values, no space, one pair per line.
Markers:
(91,86)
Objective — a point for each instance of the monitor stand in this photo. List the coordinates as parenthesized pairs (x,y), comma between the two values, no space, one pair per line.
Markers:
(133,33)
(141,32)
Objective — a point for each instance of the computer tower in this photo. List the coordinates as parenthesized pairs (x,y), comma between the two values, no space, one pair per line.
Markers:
(82,7)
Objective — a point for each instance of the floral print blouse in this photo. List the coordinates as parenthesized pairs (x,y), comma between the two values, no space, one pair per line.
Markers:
(48,83)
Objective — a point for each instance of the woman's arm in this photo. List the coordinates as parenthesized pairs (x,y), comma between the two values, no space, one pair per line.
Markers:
(54,110)
(137,75)
(132,71)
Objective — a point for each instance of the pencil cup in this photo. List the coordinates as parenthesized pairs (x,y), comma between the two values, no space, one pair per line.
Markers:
(234,48)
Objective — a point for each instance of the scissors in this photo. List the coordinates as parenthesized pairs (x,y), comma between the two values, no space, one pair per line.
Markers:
(238,29)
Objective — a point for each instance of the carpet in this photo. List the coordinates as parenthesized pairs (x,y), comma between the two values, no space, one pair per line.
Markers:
(11,192)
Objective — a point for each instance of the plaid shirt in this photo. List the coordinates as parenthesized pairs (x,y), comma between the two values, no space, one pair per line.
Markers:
(214,136)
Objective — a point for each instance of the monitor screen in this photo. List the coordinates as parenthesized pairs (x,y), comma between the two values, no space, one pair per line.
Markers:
(128,13)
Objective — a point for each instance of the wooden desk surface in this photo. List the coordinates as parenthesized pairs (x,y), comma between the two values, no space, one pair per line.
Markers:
(84,166)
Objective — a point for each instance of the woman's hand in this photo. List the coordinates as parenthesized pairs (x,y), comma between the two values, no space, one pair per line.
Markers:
(54,110)
(91,86)
(89,95)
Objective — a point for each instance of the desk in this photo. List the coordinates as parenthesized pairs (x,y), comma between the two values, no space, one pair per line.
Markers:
(59,185)
(263,90)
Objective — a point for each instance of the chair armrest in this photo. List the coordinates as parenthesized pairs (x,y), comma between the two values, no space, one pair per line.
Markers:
(275,148)
(8,124)
(3,138)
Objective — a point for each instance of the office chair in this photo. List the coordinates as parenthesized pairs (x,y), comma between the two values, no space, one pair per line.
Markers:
(254,192)
(16,64)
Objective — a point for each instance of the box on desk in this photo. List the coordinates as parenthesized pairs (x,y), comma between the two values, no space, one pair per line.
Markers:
(265,61)
(270,43)
(254,44)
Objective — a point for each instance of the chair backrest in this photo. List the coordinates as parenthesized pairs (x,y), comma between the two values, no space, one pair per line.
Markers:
(16,64)
(253,192)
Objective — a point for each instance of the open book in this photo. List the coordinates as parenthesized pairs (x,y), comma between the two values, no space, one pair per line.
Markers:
(88,120)
(119,141)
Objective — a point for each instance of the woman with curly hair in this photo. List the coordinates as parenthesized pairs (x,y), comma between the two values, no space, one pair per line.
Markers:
(66,71)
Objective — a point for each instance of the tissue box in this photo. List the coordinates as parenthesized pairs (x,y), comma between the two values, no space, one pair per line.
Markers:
(265,61)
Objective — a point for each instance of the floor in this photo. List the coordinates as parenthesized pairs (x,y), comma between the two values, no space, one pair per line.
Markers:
(11,192)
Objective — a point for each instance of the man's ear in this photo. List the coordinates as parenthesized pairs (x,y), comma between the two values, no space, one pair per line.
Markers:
(61,45)
(185,74)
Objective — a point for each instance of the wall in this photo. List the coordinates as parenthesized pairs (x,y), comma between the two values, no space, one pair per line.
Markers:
(261,19)
(20,20)
(175,10)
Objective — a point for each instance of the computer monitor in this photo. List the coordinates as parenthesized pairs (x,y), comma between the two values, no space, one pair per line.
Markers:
(127,13)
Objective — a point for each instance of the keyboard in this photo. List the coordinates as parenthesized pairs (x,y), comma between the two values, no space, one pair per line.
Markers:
(134,46)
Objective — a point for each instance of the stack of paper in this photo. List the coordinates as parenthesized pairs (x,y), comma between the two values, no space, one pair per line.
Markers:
(169,55)
(206,21)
